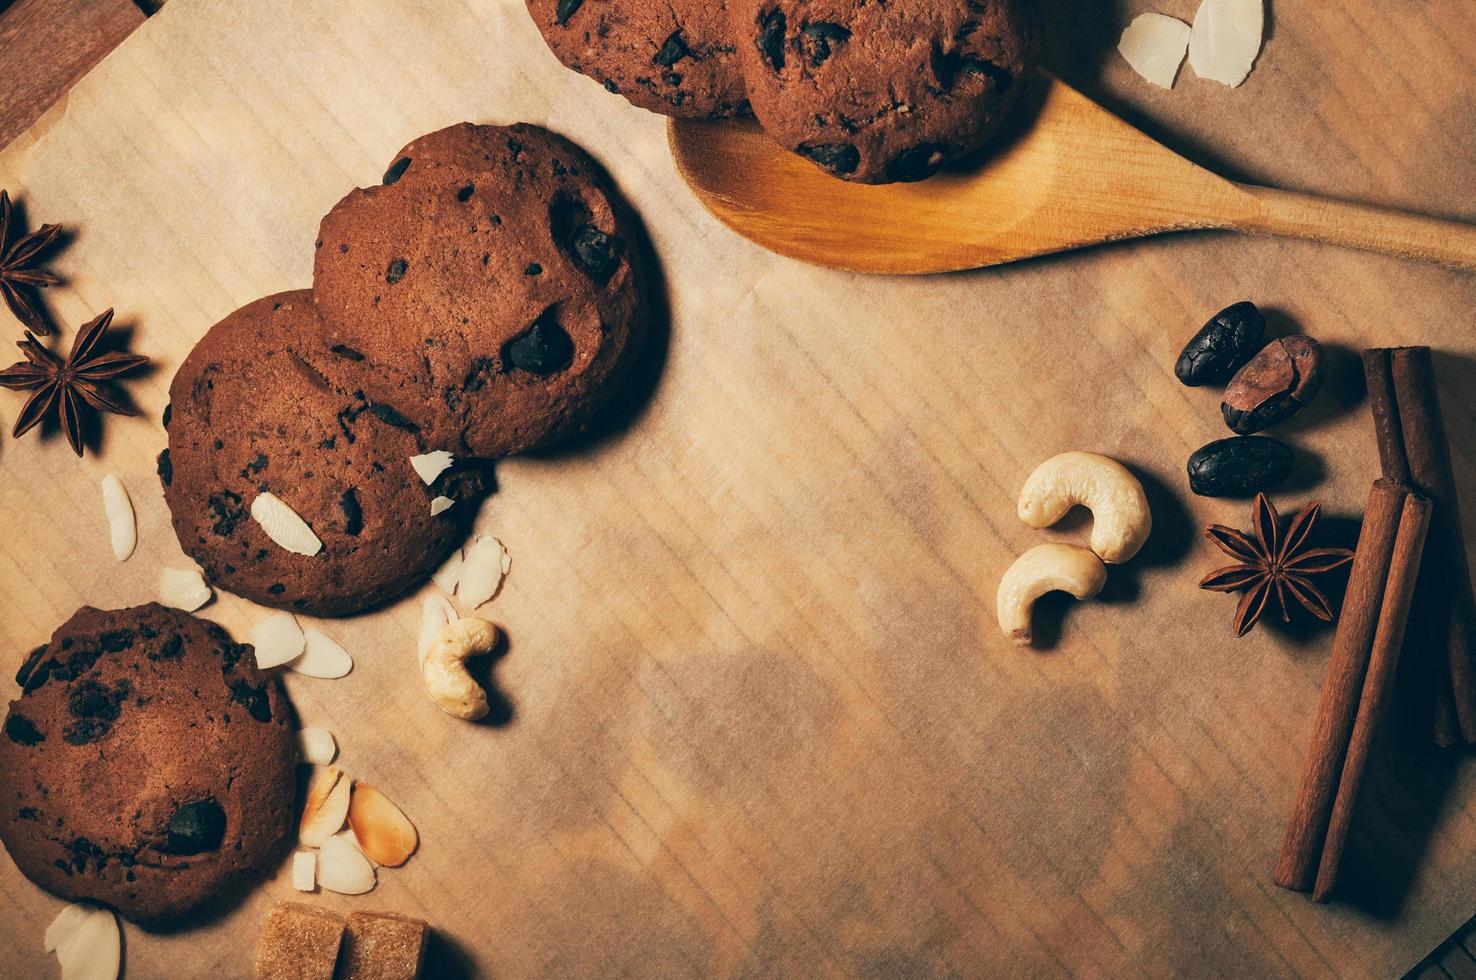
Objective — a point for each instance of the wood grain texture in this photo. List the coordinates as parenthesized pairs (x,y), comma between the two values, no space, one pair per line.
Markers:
(1065,174)
(762,722)
(47,45)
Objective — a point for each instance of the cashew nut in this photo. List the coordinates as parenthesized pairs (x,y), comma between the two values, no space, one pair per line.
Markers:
(444,668)
(1045,568)
(1121,520)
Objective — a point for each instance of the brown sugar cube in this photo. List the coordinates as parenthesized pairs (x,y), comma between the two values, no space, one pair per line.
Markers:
(384,946)
(299,943)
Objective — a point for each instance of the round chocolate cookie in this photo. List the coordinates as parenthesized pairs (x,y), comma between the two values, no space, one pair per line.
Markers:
(249,415)
(883,92)
(490,282)
(675,57)
(147,764)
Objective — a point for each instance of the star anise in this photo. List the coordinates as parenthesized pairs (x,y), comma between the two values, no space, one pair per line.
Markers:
(1269,562)
(64,385)
(17,277)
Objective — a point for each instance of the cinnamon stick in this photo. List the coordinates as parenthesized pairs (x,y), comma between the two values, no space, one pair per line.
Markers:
(1301,849)
(1378,684)
(1413,450)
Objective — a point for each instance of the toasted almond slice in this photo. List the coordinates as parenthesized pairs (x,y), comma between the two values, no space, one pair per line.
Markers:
(283,525)
(321,657)
(343,868)
(183,588)
(305,871)
(316,746)
(449,574)
(482,572)
(326,808)
(277,639)
(382,830)
(122,527)
(86,942)
(436,613)
(428,466)
(440,505)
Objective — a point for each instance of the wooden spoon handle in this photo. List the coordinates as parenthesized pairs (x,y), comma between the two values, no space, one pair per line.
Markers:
(1363,226)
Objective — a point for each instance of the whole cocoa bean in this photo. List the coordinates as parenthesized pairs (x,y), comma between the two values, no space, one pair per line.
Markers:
(1274,385)
(1239,466)
(1227,341)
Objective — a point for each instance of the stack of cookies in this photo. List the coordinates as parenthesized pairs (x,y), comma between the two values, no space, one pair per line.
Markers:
(870,92)
(482,300)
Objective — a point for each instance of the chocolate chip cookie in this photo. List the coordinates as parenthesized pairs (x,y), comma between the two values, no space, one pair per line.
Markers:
(675,57)
(249,414)
(490,282)
(883,92)
(147,765)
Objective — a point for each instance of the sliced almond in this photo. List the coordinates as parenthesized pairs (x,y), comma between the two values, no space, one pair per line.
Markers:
(321,657)
(343,868)
(183,588)
(316,746)
(305,871)
(436,613)
(277,639)
(382,830)
(86,942)
(428,466)
(482,572)
(348,835)
(1154,45)
(440,505)
(283,525)
(122,527)
(326,808)
(1226,39)
(449,574)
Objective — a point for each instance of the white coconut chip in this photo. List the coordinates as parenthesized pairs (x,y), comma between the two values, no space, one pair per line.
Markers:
(1154,46)
(449,574)
(431,465)
(316,746)
(321,657)
(122,527)
(305,871)
(482,572)
(282,524)
(277,639)
(1226,39)
(343,868)
(436,613)
(183,588)
(440,505)
(86,942)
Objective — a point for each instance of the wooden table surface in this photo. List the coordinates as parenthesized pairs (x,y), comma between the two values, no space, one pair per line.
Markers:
(1373,103)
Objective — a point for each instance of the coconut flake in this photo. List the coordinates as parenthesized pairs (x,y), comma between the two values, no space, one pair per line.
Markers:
(277,639)
(440,505)
(122,527)
(305,871)
(1154,46)
(449,574)
(436,613)
(86,942)
(282,524)
(316,746)
(183,588)
(486,564)
(343,868)
(321,657)
(431,465)
(1226,38)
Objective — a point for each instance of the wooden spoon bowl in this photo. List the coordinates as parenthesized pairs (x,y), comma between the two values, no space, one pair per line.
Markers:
(1066,175)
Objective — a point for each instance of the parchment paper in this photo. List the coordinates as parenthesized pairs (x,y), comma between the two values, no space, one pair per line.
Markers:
(762,721)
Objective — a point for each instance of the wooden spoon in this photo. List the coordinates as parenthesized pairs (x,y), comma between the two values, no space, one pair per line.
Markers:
(1071,174)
